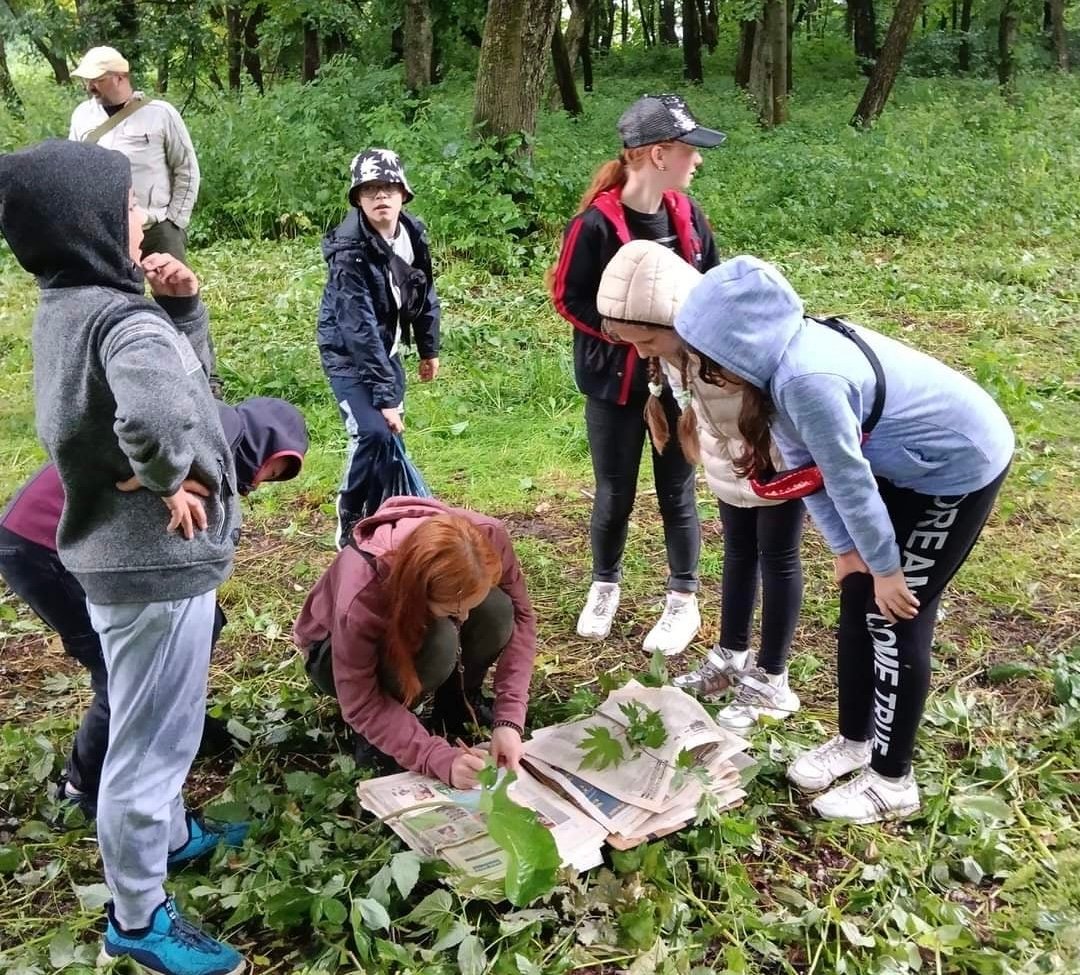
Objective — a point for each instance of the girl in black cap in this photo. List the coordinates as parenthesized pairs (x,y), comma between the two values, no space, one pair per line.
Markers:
(637,196)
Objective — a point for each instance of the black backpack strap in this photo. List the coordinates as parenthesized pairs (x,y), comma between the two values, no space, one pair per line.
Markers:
(845,329)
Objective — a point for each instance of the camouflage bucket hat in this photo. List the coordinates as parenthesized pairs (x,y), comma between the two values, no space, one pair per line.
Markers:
(378,166)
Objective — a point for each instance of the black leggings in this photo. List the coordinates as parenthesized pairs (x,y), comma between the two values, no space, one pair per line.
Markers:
(767,537)
(616,437)
(883,668)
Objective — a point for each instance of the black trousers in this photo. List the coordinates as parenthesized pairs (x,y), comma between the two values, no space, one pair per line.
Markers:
(617,435)
(883,669)
(368,436)
(36,575)
(762,541)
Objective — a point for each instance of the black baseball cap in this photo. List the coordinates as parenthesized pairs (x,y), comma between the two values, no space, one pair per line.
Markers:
(664,118)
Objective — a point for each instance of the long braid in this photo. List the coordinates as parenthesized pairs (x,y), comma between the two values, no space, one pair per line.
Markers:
(655,416)
(688,422)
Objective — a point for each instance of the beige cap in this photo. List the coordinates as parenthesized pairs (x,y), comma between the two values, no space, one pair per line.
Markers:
(645,282)
(100,61)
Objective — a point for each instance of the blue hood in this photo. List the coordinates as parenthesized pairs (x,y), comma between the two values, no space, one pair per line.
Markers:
(743,315)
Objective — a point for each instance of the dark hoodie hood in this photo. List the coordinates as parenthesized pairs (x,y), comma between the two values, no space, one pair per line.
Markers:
(258,431)
(64,213)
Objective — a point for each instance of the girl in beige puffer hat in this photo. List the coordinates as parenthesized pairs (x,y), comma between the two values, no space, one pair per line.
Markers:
(640,293)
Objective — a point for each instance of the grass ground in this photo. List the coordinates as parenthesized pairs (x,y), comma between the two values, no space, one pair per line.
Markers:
(985,880)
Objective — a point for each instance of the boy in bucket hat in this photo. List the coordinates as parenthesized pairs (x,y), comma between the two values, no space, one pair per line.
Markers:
(380,293)
(639,196)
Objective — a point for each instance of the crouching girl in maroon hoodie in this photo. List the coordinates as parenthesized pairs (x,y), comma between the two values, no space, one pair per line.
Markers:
(424,600)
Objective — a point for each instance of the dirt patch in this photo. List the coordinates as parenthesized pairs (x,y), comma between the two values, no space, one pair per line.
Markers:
(547,526)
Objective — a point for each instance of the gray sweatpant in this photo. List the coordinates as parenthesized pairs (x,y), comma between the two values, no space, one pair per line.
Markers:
(158,659)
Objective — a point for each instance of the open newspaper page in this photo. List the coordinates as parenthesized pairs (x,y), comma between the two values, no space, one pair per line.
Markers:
(439,821)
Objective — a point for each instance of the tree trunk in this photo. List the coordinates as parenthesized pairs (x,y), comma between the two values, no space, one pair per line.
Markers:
(711,25)
(768,71)
(234,43)
(864,29)
(252,57)
(691,40)
(564,74)
(888,63)
(312,56)
(963,57)
(609,25)
(1007,23)
(624,31)
(575,30)
(954,16)
(61,71)
(8,94)
(335,44)
(667,23)
(418,42)
(1057,33)
(162,85)
(789,44)
(745,56)
(513,61)
(648,28)
(586,57)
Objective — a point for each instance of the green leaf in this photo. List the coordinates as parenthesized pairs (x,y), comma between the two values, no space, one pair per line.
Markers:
(457,429)
(431,911)
(454,933)
(93,897)
(372,913)
(600,748)
(227,812)
(982,808)
(526,967)
(10,859)
(971,870)
(334,912)
(855,936)
(1000,673)
(471,957)
(645,726)
(62,948)
(405,869)
(532,859)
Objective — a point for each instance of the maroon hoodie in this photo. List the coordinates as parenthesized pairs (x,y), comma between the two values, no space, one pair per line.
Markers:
(348,604)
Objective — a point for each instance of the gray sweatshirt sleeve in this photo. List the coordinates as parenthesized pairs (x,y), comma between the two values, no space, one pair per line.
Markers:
(192,319)
(850,511)
(145,362)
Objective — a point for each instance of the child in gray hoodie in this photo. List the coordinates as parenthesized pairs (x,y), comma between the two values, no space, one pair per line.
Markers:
(124,409)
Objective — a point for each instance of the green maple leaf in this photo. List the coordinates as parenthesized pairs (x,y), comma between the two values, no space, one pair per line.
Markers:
(600,748)
(646,727)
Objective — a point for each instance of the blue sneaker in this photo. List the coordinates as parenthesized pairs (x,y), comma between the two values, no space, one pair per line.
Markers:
(169,945)
(204,837)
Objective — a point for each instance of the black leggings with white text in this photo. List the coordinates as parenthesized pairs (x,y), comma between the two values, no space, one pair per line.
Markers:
(883,669)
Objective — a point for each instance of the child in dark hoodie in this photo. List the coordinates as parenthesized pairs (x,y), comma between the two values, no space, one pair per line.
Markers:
(268,438)
(124,409)
(380,293)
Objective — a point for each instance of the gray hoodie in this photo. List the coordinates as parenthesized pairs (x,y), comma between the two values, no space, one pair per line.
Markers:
(118,387)
(940,434)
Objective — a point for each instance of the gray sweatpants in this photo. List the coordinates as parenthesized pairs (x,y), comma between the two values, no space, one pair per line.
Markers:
(158,659)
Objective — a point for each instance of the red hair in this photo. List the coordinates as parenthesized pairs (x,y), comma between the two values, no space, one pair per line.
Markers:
(444,560)
(610,174)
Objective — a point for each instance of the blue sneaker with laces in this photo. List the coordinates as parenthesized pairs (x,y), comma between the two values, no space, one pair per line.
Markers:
(169,945)
(205,836)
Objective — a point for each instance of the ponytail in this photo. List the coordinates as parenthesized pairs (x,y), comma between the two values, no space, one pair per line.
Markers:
(688,422)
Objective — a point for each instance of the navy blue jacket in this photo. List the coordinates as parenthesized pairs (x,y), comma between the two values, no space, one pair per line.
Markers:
(358,315)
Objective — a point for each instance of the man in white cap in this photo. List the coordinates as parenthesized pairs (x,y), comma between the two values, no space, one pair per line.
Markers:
(150,132)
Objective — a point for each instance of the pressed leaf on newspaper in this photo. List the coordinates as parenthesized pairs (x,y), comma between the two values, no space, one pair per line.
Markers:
(532,859)
(601,748)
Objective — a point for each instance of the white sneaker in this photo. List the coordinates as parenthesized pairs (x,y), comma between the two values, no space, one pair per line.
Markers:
(716,673)
(595,620)
(759,695)
(820,767)
(869,798)
(677,627)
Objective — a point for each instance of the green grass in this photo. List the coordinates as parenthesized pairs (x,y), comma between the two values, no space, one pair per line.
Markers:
(972,261)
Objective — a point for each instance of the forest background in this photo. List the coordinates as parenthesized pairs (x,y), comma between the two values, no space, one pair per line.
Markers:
(948,215)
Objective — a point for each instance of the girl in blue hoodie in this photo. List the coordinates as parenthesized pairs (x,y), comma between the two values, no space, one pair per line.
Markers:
(900,508)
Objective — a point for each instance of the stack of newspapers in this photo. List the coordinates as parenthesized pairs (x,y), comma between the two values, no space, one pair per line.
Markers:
(646,793)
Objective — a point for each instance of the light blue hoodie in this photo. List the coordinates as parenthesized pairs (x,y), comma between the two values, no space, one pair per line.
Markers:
(940,434)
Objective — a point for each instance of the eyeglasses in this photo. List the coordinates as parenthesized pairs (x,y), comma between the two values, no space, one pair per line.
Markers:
(371,190)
